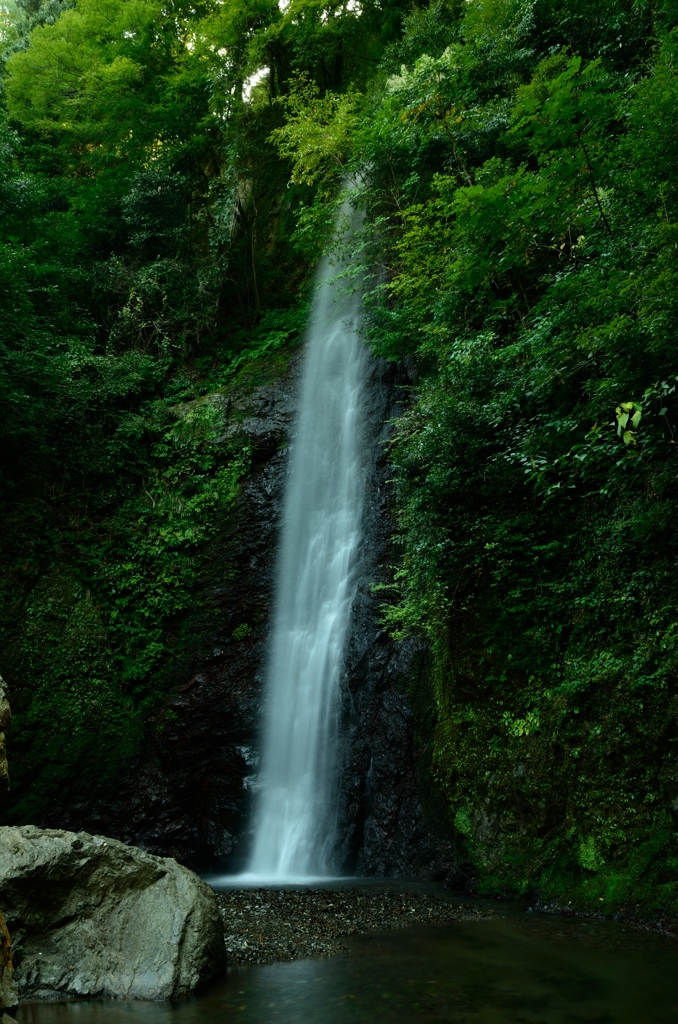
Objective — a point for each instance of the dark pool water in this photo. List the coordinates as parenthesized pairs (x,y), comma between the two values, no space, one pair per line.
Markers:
(527,968)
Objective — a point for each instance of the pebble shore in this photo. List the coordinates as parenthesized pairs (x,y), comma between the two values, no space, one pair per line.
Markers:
(266,925)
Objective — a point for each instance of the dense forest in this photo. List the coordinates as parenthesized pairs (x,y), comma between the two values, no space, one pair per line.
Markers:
(170,173)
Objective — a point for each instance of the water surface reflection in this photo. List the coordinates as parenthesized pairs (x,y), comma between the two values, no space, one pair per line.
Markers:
(528,968)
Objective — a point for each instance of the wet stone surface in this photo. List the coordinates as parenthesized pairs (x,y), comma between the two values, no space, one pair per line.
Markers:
(265,925)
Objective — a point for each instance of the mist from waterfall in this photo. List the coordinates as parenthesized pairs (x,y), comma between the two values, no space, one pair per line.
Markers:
(296,816)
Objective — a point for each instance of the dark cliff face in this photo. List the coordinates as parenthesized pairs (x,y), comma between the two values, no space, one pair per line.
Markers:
(191,797)
(385,830)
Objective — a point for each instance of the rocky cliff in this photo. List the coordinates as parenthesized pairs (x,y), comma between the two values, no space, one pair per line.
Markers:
(5,716)
(390,821)
(9,996)
(192,794)
(189,796)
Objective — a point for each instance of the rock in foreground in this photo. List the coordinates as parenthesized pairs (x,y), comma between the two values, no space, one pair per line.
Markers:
(97,918)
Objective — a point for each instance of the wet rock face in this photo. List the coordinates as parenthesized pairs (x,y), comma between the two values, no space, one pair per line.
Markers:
(384,828)
(9,997)
(5,716)
(192,796)
(94,917)
(201,788)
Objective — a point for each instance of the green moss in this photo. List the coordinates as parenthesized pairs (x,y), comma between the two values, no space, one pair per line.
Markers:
(96,624)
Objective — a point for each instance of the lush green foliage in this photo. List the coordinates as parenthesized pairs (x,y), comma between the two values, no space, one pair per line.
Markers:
(169,174)
(146,276)
(532,277)
(517,174)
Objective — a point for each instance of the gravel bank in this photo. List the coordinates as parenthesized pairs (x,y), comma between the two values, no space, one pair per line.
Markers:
(264,925)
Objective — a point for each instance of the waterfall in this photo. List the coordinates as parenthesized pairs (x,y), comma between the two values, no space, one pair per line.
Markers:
(296,823)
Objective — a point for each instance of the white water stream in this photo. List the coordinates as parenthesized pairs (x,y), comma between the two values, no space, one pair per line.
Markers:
(296,822)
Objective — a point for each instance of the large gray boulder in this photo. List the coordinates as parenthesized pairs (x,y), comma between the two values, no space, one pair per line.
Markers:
(97,918)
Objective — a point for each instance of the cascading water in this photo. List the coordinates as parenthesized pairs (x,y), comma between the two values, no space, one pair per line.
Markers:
(296,824)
